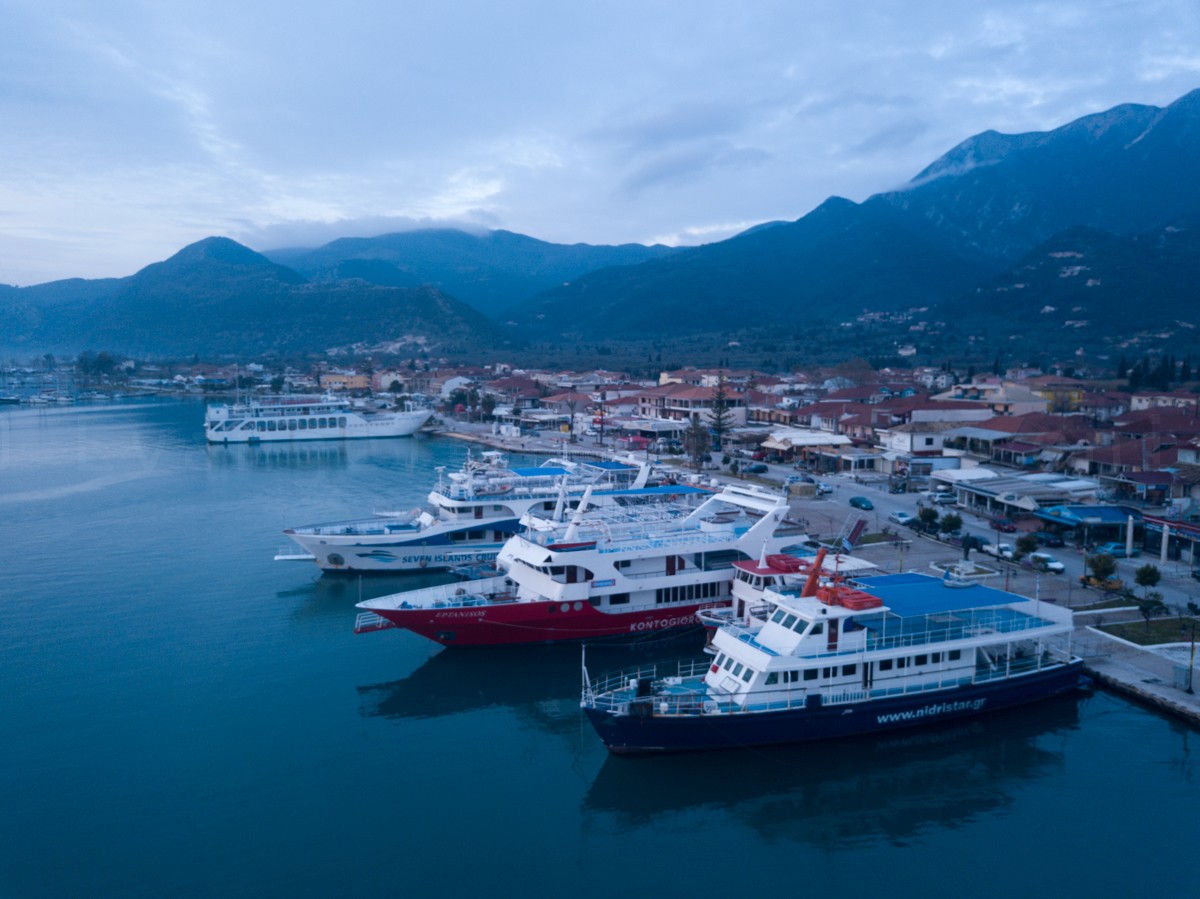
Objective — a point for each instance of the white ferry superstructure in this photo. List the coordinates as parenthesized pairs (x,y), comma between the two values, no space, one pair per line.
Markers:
(469,514)
(627,567)
(296,417)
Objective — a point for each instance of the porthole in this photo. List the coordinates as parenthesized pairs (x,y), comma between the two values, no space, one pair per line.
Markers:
(566,607)
(578,606)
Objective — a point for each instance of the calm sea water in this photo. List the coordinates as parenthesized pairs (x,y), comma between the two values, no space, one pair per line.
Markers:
(183,716)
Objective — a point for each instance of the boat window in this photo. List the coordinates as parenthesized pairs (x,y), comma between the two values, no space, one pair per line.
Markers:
(618,599)
(312,424)
(778,616)
(262,425)
(728,663)
(772,678)
(304,424)
(901,663)
(810,673)
(921,660)
(737,669)
(291,424)
(747,674)
(885,664)
(849,670)
(789,621)
(819,628)
(791,676)
(720,659)
(800,626)
(954,655)
(935,657)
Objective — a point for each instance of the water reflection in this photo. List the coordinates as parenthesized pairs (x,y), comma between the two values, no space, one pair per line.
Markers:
(286,456)
(522,678)
(840,793)
(334,593)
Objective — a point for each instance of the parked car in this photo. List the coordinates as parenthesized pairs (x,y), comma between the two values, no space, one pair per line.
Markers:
(1109,584)
(901,517)
(897,488)
(755,468)
(1116,550)
(945,499)
(861,502)
(1047,538)
(1046,562)
(822,487)
(1003,524)
(1000,550)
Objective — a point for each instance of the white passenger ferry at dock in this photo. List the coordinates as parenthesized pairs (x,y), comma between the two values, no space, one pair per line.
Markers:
(632,566)
(469,514)
(270,419)
(834,660)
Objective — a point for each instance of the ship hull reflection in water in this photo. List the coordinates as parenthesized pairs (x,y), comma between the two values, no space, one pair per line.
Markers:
(840,793)
(516,677)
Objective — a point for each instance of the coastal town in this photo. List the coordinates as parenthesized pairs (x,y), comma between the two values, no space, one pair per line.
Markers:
(1081,490)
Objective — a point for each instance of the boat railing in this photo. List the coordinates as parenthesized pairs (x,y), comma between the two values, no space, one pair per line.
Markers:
(293,553)
(976,625)
(623,683)
(619,692)
(483,592)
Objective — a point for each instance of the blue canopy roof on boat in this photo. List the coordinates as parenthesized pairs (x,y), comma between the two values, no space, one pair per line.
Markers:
(539,472)
(611,465)
(913,594)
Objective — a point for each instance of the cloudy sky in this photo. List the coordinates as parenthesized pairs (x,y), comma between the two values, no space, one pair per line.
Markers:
(134,127)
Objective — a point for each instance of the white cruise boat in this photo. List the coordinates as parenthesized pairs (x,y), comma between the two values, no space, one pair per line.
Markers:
(269,419)
(469,516)
(632,566)
(830,660)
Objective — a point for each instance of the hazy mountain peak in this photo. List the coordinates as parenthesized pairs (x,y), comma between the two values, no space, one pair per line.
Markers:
(219,249)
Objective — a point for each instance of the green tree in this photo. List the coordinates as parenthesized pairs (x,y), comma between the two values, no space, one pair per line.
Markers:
(950,522)
(1151,605)
(1147,576)
(487,405)
(1102,566)
(277,384)
(928,517)
(1026,544)
(721,413)
(696,442)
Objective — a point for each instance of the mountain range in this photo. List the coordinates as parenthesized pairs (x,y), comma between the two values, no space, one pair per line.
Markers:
(1086,235)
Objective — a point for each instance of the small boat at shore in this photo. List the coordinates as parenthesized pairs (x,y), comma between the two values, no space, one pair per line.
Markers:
(641,563)
(834,659)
